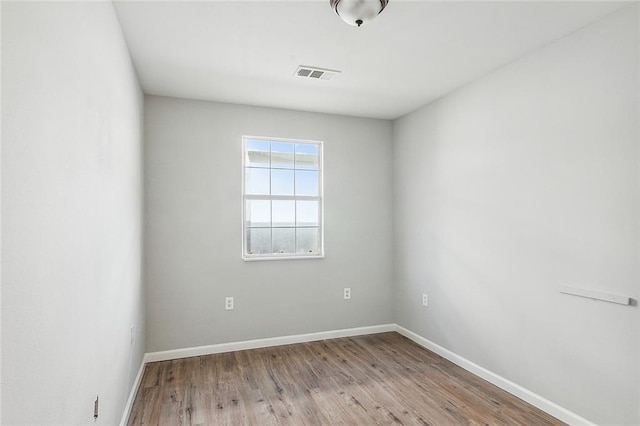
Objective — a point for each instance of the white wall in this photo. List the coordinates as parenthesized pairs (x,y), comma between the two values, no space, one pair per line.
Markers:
(512,185)
(0,216)
(71,210)
(638,101)
(193,227)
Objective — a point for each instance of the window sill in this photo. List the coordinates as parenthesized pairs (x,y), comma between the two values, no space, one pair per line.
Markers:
(285,257)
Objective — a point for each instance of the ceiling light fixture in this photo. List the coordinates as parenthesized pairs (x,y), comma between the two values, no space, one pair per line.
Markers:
(357,12)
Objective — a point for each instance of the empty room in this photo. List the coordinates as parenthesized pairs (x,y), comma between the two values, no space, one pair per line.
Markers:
(320,212)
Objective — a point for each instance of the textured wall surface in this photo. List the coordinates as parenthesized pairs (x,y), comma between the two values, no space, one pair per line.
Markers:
(194,236)
(513,185)
(72,114)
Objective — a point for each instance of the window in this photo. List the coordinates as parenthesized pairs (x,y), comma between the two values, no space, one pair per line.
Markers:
(282,199)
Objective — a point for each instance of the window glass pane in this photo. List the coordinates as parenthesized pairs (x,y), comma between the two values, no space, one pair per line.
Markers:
(258,213)
(284,213)
(306,182)
(284,240)
(257,153)
(282,155)
(306,156)
(258,240)
(306,213)
(281,182)
(307,240)
(282,198)
(256,181)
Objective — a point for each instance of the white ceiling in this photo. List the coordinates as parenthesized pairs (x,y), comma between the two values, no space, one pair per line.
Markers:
(414,52)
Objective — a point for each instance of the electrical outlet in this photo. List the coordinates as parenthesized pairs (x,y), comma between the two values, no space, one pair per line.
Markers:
(228,303)
(347,292)
(133,334)
(425,300)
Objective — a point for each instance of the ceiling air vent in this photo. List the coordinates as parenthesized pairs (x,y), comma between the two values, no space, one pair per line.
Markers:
(316,73)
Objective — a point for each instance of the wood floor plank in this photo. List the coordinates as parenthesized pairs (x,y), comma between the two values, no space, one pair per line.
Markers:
(381,379)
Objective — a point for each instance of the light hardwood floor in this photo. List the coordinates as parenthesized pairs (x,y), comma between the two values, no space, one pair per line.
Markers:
(376,379)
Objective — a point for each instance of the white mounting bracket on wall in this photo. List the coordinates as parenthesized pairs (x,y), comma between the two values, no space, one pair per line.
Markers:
(593,294)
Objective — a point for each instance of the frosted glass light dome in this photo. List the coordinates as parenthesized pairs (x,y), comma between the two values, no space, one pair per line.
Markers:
(357,12)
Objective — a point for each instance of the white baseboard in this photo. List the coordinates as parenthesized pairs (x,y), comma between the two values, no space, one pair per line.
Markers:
(132,395)
(265,343)
(532,398)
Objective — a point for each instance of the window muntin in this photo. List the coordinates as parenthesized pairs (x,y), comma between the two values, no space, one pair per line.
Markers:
(282,199)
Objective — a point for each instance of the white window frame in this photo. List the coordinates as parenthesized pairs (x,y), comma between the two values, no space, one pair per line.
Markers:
(320,198)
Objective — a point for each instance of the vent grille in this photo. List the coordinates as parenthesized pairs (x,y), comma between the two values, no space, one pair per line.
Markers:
(316,73)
